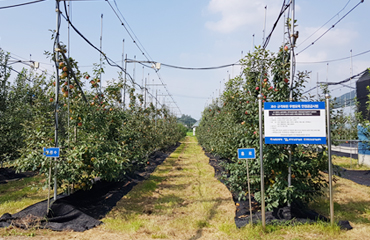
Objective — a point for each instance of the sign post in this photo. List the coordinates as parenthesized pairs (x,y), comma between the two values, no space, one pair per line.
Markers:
(248,153)
(327,96)
(51,153)
(262,171)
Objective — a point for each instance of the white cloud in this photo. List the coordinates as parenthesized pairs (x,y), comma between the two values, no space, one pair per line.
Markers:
(238,13)
(309,57)
(335,37)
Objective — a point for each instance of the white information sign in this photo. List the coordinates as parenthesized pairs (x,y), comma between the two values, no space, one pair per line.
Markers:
(295,123)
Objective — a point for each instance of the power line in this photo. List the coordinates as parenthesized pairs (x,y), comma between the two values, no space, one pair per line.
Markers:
(343,81)
(337,83)
(147,54)
(142,49)
(22,4)
(334,60)
(184,68)
(283,9)
(201,68)
(184,96)
(24,61)
(19,73)
(324,24)
(331,27)
(109,61)
(129,33)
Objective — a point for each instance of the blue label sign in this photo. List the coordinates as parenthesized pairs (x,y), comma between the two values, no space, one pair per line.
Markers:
(51,152)
(246,153)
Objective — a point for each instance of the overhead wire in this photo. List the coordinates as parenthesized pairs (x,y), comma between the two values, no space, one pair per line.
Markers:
(200,68)
(284,7)
(184,96)
(142,49)
(343,81)
(335,60)
(23,60)
(109,61)
(324,24)
(292,49)
(27,64)
(11,69)
(184,68)
(361,1)
(337,83)
(133,33)
(21,4)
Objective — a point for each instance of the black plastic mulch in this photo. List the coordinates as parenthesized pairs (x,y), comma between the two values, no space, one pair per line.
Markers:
(82,210)
(358,176)
(9,174)
(295,214)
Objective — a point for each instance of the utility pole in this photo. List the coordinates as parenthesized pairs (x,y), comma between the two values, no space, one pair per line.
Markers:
(122,61)
(56,50)
(156,93)
(317,86)
(252,43)
(156,106)
(292,42)
(142,83)
(124,85)
(134,70)
(264,26)
(146,79)
(101,49)
(350,111)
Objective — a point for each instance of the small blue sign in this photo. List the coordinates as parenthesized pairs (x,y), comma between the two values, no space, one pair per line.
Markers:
(51,152)
(246,153)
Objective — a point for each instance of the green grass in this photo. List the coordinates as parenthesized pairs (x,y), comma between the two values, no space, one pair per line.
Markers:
(16,195)
(129,224)
(161,236)
(348,163)
(189,134)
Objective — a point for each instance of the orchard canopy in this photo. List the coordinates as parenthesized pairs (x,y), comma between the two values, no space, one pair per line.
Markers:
(231,122)
(98,136)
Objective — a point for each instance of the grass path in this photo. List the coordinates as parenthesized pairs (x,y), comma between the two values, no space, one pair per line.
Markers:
(181,200)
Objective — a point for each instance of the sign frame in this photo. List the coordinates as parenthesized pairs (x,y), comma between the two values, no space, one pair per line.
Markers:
(295,123)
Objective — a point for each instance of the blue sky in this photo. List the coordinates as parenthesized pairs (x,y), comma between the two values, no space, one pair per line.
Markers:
(192,33)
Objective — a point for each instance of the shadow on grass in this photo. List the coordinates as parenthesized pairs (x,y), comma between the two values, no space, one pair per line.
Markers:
(352,211)
(201,224)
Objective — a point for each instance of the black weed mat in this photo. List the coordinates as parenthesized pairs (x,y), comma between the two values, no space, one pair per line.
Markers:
(9,174)
(295,214)
(82,210)
(358,176)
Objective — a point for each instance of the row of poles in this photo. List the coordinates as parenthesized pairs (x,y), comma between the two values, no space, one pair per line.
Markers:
(57,86)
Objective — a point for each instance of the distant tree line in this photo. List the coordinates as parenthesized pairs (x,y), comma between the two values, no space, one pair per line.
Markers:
(187,120)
